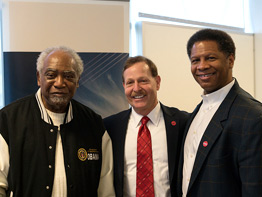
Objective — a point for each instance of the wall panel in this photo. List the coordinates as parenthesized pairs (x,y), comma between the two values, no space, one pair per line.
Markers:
(166,46)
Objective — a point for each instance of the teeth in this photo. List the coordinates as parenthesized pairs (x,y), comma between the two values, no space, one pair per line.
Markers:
(138,97)
(206,75)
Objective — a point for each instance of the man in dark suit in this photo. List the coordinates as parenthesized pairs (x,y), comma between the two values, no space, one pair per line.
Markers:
(141,83)
(222,150)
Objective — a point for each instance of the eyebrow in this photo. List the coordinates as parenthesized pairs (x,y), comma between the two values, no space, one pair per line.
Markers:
(65,71)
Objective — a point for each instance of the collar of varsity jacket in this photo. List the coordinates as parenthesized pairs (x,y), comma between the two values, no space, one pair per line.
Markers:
(44,114)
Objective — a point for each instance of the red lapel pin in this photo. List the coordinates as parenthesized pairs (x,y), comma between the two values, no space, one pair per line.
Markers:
(205,143)
(173,123)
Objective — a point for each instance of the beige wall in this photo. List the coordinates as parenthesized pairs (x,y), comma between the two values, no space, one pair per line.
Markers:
(89,26)
(103,26)
(256,15)
(166,46)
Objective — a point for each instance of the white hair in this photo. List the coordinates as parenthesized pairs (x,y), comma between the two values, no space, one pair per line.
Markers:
(78,66)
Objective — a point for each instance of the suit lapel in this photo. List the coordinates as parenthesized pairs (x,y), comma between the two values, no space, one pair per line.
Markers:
(172,132)
(212,133)
(120,130)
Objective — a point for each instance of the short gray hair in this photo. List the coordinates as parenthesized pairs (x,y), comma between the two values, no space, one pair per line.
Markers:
(79,66)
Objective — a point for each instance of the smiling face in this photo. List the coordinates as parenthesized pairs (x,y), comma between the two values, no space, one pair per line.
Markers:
(141,88)
(58,81)
(211,68)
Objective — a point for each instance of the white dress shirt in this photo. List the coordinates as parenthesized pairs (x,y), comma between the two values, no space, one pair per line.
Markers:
(210,104)
(157,129)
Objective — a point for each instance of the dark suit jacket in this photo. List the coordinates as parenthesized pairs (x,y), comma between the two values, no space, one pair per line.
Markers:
(231,163)
(116,126)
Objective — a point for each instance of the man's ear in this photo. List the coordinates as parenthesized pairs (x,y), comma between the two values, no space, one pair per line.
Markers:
(158,80)
(77,83)
(38,78)
(231,60)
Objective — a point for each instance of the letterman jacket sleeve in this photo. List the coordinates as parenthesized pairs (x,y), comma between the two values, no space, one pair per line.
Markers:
(106,187)
(4,165)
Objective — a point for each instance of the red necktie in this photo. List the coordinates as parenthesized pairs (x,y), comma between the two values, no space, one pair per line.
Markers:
(144,166)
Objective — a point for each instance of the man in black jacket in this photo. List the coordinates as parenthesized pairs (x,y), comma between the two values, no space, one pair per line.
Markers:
(222,149)
(50,144)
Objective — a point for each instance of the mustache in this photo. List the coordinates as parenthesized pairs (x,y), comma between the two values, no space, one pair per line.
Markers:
(139,93)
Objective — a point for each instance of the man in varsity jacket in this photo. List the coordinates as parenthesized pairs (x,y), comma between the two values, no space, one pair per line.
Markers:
(50,144)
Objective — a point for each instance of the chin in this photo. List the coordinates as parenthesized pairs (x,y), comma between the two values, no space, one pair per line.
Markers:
(60,101)
(139,107)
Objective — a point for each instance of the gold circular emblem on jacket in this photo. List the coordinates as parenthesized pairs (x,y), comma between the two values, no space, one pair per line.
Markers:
(82,154)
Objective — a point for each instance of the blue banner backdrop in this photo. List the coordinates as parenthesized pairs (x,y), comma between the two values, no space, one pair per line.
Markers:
(100,86)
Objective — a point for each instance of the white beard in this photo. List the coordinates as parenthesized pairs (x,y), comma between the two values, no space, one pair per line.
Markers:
(58,101)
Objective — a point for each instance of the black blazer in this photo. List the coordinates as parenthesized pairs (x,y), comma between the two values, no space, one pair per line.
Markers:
(231,163)
(116,126)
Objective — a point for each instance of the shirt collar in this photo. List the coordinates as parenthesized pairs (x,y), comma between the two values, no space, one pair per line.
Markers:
(154,115)
(44,113)
(217,96)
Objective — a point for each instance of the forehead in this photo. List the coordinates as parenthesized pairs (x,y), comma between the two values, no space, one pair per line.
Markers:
(59,60)
(137,69)
(205,47)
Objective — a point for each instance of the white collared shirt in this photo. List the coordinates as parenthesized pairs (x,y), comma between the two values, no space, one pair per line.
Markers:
(211,103)
(157,129)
